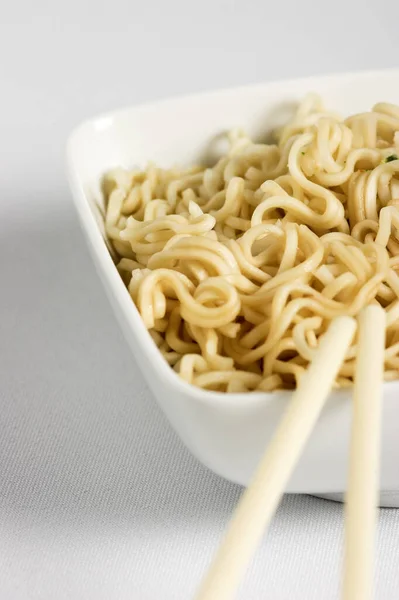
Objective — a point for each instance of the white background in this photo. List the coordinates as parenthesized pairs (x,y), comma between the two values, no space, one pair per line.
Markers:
(98,498)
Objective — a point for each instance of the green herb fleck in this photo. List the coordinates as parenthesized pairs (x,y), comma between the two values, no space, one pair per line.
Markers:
(391,158)
(303,154)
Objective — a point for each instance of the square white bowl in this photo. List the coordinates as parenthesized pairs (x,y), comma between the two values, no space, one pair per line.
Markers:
(226,432)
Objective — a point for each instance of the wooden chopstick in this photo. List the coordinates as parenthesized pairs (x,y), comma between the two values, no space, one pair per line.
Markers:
(362,496)
(259,502)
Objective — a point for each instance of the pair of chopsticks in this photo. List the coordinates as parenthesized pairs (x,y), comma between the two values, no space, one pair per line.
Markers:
(260,500)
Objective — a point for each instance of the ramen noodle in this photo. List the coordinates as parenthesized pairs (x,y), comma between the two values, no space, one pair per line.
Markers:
(238,269)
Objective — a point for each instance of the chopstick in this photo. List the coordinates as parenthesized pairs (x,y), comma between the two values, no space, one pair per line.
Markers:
(362,496)
(259,502)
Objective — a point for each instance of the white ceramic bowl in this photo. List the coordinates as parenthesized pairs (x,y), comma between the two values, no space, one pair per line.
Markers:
(227,433)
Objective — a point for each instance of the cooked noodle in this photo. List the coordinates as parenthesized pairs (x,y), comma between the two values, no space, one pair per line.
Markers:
(237,270)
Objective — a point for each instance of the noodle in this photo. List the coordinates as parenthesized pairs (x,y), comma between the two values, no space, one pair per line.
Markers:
(238,270)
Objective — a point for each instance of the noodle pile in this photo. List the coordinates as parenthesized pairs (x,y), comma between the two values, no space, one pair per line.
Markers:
(237,270)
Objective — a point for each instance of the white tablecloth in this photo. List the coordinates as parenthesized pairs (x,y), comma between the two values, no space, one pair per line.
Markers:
(98,498)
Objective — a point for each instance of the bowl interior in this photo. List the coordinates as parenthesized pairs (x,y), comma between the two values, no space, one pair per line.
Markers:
(189,130)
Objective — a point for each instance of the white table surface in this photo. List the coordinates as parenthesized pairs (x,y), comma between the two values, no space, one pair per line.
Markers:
(98,498)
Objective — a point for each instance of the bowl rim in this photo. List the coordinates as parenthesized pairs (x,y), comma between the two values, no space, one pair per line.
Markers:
(102,119)
(115,283)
